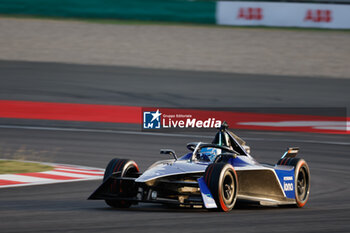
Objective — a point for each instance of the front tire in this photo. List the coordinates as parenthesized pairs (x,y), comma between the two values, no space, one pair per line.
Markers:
(125,168)
(222,182)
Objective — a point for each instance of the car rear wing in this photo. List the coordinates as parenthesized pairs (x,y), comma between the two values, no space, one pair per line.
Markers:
(291,152)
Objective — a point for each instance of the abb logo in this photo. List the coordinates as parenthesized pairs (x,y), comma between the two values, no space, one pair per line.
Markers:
(318,16)
(250,13)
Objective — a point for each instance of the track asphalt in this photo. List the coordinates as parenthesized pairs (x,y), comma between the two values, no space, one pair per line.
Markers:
(64,208)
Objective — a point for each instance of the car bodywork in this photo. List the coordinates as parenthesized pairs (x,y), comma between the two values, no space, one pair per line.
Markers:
(181,181)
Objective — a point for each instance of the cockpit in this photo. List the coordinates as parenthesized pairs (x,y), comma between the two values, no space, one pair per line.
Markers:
(208,154)
(224,146)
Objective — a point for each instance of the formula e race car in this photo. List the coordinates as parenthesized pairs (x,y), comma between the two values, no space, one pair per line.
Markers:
(211,175)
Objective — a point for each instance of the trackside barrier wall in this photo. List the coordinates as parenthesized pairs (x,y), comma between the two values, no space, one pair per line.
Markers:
(241,13)
(158,10)
(311,15)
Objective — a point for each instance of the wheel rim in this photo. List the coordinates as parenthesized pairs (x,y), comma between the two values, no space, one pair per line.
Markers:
(302,184)
(228,188)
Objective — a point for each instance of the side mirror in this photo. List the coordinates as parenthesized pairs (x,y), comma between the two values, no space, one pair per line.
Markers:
(169,152)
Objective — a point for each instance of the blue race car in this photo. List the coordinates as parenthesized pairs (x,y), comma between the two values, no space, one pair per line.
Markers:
(212,175)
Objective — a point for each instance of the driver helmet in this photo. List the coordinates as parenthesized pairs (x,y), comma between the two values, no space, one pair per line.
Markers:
(209,153)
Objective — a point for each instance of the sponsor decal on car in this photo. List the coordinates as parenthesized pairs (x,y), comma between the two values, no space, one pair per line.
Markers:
(288,178)
(288,186)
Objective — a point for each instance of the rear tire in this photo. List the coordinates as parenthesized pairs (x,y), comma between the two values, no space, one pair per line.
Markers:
(127,168)
(302,179)
(222,182)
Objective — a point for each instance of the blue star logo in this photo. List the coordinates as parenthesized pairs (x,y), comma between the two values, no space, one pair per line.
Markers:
(151,120)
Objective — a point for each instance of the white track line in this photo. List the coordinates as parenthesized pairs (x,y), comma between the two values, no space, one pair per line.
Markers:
(72,170)
(20,178)
(162,134)
(59,173)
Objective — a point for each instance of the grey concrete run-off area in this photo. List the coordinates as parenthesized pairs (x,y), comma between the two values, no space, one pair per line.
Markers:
(318,53)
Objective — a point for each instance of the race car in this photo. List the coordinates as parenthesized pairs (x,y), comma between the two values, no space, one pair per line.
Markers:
(215,175)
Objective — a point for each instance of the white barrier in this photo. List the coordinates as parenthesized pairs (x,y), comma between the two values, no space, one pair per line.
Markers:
(283,14)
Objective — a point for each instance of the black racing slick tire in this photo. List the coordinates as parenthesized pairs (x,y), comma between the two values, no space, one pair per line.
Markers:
(124,168)
(221,179)
(301,180)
